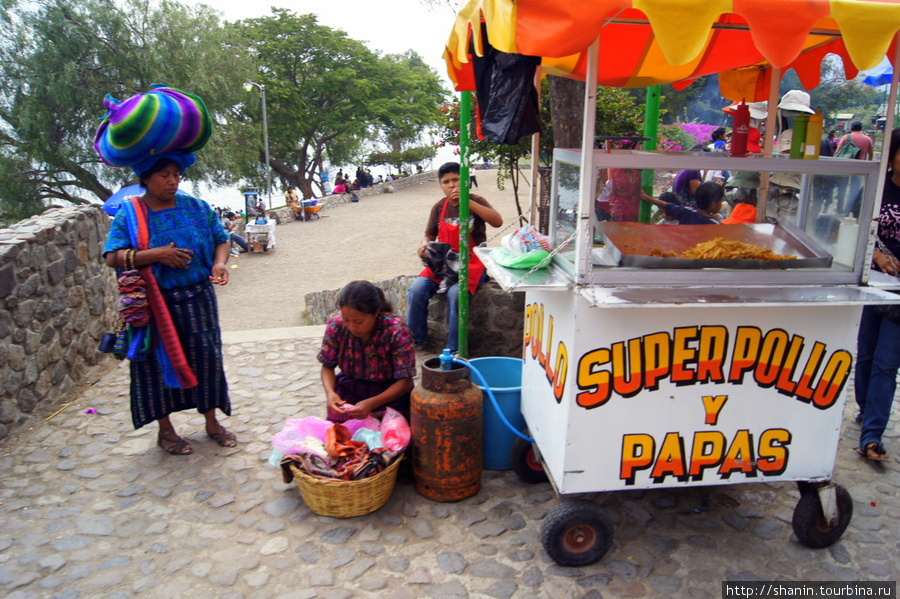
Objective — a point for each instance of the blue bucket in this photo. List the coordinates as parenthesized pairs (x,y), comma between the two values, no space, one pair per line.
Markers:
(504,377)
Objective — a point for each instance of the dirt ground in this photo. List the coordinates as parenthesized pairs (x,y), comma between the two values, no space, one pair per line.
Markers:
(373,239)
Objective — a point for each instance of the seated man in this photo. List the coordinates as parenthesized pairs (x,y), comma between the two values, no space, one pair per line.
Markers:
(443,226)
(228,224)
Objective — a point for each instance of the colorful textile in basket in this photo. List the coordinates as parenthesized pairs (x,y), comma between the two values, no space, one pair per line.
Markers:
(356,468)
(162,120)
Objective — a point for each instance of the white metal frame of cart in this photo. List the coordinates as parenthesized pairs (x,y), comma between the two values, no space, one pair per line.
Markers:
(641,377)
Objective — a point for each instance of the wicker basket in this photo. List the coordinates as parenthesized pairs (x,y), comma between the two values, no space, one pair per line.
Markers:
(343,498)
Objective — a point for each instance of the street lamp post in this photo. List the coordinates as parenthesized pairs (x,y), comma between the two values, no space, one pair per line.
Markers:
(262,90)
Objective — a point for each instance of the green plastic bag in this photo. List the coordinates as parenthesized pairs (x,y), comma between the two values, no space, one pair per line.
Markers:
(526,261)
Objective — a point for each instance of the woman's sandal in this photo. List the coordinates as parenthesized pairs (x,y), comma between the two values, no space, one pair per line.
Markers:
(225,438)
(176,446)
(875,452)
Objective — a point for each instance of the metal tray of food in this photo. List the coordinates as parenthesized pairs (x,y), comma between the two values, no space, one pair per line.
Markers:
(658,246)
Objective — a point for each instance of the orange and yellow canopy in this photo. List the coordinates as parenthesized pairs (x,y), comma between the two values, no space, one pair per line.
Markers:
(651,42)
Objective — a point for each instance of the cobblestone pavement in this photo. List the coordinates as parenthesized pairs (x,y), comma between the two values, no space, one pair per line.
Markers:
(92,508)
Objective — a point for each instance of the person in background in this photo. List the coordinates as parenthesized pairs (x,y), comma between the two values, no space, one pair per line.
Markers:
(228,225)
(373,349)
(718,140)
(827,145)
(878,341)
(862,141)
(866,152)
(686,184)
(443,226)
(709,198)
(291,196)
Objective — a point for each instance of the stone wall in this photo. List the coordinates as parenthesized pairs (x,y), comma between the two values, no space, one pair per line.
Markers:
(286,215)
(57,299)
(496,317)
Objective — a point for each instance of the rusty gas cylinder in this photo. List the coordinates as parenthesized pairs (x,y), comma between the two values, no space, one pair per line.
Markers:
(446,422)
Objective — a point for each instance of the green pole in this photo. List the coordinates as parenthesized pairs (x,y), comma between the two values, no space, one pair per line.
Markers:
(651,122)
(465,115)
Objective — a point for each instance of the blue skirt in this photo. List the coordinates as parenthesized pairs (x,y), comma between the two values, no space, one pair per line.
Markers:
(195,312)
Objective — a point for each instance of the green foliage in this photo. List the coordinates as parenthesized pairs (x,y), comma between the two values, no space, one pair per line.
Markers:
(835,94)
(58,59)
(15,183)
(618,113)
(327,93)
(672,138)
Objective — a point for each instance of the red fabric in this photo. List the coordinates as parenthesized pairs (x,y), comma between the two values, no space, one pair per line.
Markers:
(161,317)
(448,233)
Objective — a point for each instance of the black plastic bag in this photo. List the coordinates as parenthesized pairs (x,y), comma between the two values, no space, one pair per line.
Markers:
(507,98)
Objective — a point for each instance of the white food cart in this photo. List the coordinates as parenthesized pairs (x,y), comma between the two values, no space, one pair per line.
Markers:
(647,371)
(260,237)
(643,370)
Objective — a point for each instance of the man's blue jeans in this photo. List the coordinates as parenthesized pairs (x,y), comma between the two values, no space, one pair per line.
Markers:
(420,292)
(240,241)
(875,379)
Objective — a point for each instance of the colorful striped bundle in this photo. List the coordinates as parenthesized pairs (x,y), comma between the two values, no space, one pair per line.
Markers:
(164,119)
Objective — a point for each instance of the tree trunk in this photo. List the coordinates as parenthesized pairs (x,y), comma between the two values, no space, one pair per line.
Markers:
(567,115)
(566,111)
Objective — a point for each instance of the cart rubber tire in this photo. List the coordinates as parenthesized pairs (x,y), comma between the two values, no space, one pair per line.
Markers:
(576,533)
(809,523)
(524,463)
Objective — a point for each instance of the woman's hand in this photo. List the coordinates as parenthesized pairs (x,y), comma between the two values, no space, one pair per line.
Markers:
(887,264)
(359,410)
(219,274)
(172,256)
(335,403)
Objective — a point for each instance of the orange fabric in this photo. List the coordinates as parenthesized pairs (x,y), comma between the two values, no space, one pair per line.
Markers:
(650,42)
(742,213)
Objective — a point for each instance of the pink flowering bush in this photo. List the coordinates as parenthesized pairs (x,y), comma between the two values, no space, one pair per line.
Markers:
(698,131)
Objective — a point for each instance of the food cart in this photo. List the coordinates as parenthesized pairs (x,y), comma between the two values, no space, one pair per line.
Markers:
(645,369)
(260,235)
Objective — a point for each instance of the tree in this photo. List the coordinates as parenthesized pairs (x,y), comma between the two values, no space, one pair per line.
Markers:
(58,57)
(835,93)
(413,96)
(326,93)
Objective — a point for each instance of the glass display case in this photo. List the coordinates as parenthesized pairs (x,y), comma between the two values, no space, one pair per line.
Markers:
(815,222)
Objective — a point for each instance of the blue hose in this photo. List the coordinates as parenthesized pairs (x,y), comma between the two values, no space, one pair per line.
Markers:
(490,393)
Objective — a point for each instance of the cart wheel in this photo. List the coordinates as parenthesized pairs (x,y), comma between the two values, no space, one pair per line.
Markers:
(576,533)
(524,462)
(809,523)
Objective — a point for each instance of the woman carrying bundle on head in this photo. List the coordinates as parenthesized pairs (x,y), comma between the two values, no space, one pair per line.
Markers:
(175,246)
(374,351)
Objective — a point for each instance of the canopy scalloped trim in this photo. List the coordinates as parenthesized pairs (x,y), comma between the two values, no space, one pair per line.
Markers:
(650,42)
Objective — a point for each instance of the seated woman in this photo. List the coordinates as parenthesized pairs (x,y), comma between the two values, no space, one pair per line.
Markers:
(375,353)
(709,197)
